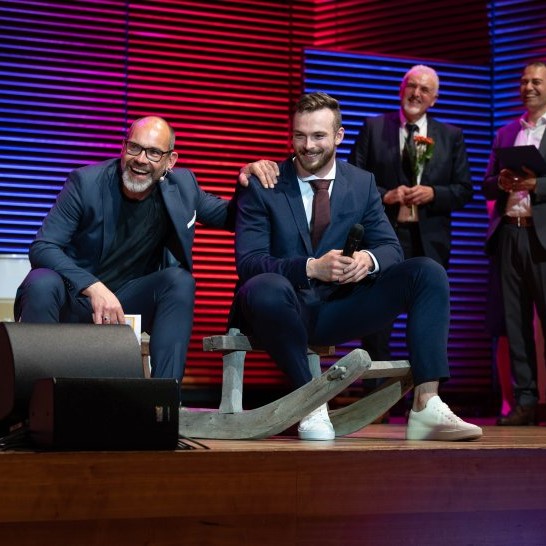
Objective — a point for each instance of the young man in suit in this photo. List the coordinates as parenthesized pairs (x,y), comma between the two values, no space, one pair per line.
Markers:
(294,293)
(119,240)
(517,235)
(418,205)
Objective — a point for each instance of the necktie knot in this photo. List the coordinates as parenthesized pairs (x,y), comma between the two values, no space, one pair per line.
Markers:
(320,184)
(411,128)
(321,209)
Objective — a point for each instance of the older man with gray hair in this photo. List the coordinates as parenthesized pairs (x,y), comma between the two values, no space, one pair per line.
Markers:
(422,173)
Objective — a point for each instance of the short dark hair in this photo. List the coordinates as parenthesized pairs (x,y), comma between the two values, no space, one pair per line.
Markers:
(535,63)
(311,102)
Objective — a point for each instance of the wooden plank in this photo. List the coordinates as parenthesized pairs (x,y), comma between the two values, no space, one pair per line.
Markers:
(239,342)
(279,415)
(361,413)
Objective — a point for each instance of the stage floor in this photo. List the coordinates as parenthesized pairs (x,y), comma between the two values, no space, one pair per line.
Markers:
(391,436)
(372,488)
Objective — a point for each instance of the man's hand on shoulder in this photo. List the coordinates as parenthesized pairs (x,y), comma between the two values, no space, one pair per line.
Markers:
(266,171)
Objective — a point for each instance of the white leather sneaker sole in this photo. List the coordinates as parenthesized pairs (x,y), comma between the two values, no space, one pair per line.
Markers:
(438,422)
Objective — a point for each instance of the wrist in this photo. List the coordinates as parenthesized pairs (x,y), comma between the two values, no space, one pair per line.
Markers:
(309,269)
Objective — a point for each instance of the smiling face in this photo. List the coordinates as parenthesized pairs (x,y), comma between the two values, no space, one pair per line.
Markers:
(418,93)
(532,90)
(139,173)
(315,140)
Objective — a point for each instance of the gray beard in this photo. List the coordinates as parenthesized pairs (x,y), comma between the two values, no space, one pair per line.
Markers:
(136,187)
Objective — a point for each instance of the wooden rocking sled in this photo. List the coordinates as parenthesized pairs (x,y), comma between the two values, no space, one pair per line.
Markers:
(231,422)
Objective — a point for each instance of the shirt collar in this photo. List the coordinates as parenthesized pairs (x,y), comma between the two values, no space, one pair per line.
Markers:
(527,125)
(421,122)
(330,176)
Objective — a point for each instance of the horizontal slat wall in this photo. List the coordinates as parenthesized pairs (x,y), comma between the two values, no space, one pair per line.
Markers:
(77,73)
(225,74)
(451,30)
(62,102)
(517,36)
(368,85)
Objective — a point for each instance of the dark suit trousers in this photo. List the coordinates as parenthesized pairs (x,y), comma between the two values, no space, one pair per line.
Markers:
(285,320)
(164,299)
(523,278)
(378,343)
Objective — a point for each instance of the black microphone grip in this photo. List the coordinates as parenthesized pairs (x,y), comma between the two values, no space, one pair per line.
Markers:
(353,240)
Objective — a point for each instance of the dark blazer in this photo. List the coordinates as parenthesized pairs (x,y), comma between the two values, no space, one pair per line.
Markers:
(377,149)
(272,234)
(80,227)
(506,136)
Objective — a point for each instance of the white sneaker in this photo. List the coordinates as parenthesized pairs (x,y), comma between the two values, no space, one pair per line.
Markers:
(437,422)
(317,426)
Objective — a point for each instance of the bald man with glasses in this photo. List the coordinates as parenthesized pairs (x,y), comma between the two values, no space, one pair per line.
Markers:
(119,241)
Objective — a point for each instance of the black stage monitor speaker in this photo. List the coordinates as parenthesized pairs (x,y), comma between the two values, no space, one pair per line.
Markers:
(109,414)
(29,352)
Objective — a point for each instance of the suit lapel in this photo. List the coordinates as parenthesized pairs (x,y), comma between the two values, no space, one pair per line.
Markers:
(392,142)
(337,197)
(291,189)
(111,203)
(512,132)
(177,209)
(432,132)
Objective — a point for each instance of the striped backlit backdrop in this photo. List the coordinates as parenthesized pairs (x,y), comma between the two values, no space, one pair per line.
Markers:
(368,85)
(75,74)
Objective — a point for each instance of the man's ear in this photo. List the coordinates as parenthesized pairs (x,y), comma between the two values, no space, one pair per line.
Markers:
(172,159)
(339,136)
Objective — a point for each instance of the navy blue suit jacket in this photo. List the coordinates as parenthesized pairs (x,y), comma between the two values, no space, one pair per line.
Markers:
(80,227)
(272,234)
(377,149)
(506,136)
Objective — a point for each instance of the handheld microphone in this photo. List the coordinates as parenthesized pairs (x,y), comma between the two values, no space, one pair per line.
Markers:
(353,239)
(351,244)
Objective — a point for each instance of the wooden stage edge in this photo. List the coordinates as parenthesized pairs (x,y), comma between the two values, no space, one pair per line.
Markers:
(372,488)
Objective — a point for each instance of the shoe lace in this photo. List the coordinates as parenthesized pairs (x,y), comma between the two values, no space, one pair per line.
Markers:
(445,411)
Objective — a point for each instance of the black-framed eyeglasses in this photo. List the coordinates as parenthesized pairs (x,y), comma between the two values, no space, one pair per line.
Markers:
(153,154)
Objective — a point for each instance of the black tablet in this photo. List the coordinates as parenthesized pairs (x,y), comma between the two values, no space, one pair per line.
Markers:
(516,157)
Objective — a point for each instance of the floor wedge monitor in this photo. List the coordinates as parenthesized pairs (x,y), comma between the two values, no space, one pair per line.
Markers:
(29,352)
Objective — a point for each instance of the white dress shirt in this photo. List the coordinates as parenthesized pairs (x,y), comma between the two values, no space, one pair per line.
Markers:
(519,202)
(307,195)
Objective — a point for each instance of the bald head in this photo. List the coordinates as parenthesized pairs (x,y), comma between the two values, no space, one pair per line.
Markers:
(156,125)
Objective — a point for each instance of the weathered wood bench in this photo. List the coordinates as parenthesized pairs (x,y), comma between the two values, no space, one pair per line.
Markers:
(230,421)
